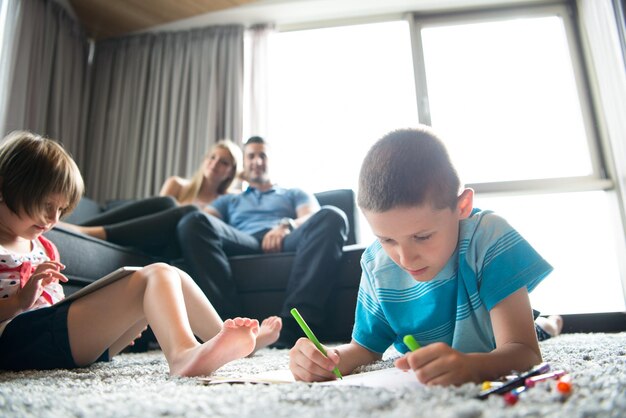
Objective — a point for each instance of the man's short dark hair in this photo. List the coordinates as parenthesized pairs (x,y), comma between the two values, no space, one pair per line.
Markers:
(405,168)
(255,140)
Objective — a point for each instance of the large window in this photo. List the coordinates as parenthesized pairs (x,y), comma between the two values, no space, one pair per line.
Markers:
(503,94)
(332,93)
(578,234)
(505,90)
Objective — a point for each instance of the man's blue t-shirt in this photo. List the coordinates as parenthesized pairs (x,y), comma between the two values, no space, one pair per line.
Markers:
(491,262)
(253,211)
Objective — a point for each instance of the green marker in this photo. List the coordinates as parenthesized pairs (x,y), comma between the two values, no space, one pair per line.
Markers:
(312,337)
(410,342)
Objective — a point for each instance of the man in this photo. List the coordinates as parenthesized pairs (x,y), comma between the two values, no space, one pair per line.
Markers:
(266,218)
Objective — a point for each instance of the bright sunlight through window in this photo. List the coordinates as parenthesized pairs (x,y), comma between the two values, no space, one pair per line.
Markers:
(504,93)
(576,234)
(504,97)
(332,93)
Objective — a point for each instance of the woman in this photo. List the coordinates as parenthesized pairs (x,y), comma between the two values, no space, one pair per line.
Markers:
(148,224)
(214,177)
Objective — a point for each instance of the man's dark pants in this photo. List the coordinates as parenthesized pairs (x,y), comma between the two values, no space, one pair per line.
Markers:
(206,242)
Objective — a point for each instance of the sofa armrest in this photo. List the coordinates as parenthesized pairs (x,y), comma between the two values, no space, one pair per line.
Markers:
(344,200)
(87,258)
(86,209)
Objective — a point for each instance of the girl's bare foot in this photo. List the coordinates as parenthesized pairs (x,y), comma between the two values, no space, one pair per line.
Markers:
(236,340)
(269,332)
(92,231)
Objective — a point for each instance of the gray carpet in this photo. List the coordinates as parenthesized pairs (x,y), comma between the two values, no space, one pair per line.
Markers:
(137,385)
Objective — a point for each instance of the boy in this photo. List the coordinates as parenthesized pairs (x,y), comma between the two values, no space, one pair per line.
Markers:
(454,277)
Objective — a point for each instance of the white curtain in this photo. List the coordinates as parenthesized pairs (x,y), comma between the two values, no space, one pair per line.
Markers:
(256,79)
(599,21)
(158,102)
(9,13)
(600,31)
(146,107)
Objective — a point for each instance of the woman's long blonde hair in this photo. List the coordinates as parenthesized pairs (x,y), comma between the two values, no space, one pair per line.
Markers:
(190,193)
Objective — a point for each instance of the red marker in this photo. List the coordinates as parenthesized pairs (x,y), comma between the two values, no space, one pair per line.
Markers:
(564,386)
(512,397)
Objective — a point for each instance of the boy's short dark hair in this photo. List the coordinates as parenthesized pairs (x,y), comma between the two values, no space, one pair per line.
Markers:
(32,168)
(407,167)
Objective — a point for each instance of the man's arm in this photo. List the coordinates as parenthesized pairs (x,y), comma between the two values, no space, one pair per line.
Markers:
(212,211)
(218,207)
(304,212)
(273,240)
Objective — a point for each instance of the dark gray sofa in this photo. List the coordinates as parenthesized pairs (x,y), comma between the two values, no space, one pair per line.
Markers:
(260,279)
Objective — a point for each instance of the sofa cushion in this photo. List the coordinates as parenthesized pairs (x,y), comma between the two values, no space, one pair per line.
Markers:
(86,209)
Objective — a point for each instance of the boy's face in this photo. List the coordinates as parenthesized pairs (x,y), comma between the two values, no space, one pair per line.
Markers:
(420,239)
(30,227)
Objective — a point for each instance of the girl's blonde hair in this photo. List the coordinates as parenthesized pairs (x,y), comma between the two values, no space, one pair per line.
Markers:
(32,168)
(190,193)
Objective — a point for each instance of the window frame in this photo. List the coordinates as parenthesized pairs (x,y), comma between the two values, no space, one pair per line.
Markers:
(604,176)
(599,179)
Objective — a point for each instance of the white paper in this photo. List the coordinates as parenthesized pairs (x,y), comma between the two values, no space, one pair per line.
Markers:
(388,378)
(385,378)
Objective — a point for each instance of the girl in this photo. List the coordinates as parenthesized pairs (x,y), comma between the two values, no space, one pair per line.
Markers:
(39,183)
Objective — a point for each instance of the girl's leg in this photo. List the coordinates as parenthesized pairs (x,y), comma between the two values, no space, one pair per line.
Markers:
(203,318)
(101,319)
(125,340)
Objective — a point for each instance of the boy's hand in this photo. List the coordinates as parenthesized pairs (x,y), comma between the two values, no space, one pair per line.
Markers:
(44,274)
(308,364)
(438,364)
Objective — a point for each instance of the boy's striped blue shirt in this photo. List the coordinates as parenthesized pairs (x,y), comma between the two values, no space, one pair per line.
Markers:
(491,262)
